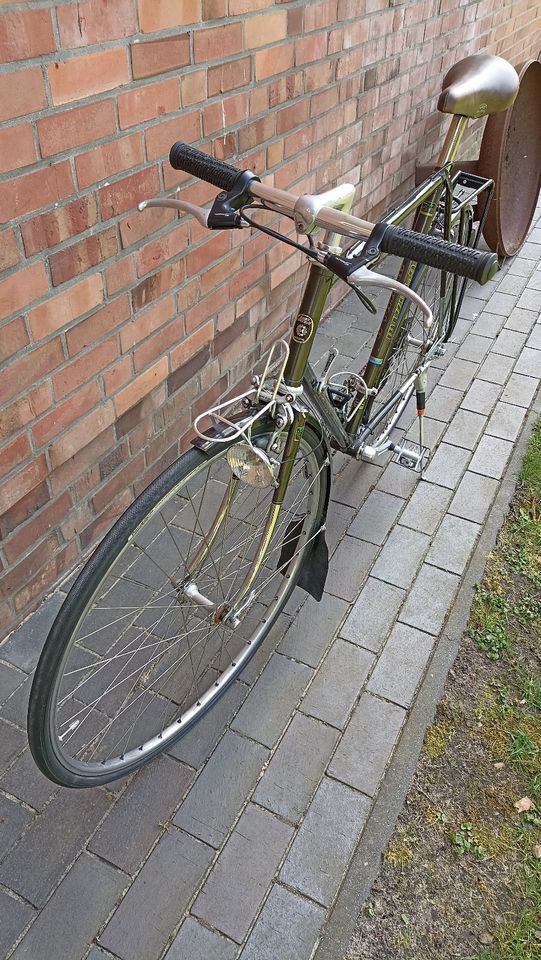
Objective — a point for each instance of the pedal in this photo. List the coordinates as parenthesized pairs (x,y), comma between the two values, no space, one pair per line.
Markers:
(411,456)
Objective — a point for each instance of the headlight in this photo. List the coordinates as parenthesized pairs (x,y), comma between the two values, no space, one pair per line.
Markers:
(251,465)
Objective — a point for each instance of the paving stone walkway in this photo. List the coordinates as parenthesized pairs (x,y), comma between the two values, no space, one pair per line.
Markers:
(235,845)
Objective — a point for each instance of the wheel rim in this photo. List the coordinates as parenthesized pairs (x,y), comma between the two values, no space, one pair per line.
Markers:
(126,671)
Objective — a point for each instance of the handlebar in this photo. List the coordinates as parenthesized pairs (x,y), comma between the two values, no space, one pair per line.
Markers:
(420,248)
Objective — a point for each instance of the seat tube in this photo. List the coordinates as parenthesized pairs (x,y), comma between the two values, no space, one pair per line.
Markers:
(316,290)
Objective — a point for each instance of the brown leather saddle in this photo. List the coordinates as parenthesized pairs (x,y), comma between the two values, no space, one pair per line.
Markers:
(478,85)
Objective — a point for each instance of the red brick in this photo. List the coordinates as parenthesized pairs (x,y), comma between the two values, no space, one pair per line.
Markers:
(147,322)
(95,21)
(13,337)
(264,29)
(103,321)
(83,76)
(16,147)
(119,275)
(226,113)
(23,509)
(19,289)
(21,93)
(290,117)
(25,34)
(217,42)
(76,126)
(157,15)
(64,414)
(246,6)
(35,190)
(127,193)
(141,386)
(27,568)
(119,483)
(229,76)
(25,410)
(85,368)
(81,434)
(160,137)
(222,271)
(160,56)
(59,224)
(206,253)
(141,223)
(158,251)
(25,480)
(66,307)
(191,345)
(268,63)
(193,87)
(148,103)
(24,599)
(14,453)
(158,283)
(214,9)
(118,375)
(111,158)
(9,253)
(319,15)
(81,256)
(158,344)
(39,525)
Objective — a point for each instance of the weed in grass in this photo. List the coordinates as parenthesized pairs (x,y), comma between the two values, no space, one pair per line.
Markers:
(530,690)
(399,852)
(522,746)
(465,841)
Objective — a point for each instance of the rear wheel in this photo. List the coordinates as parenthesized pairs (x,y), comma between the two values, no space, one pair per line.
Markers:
(133,659)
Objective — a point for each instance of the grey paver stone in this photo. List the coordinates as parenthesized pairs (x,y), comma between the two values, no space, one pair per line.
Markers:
(426,508)
(265,713)
(474,348)
(10,679)
(354,482)
(366,747)
(453,544)
(398,480)
(373,614)
(520,390)
(459,374)
(496,368)
(35,864)
(506,421)
(491,457)
(513,284)
(24,781)
(443,402)
(376,516)
(488,325)
(401,665)
(465,429)
(199,742)
(15,709)
(530,299)
(238,882)
(133,825)
(12,742)
(218,795)
(288,927)
(349,567)
(326,841)
(255,666)
(98,954)
(15,916)
(196,942)
(430,599)
(473,497)
(77,909)
(296,768)
(501,303)
(534,340)
(529,363)
(313,629)
(432,434)
(509,342)
(338,683)
(520,266)
(471,307)
(143,923)
(447,465)
(482,396)
(401,556)
(13,820)
(23,647)
(521,320)
(339,518)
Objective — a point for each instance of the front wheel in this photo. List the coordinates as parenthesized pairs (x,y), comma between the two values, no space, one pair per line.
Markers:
(134,659)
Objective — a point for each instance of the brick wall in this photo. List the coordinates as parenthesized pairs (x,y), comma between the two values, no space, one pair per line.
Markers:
(117,327)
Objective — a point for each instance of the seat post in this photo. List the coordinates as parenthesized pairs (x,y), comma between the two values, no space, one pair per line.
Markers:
(452,140)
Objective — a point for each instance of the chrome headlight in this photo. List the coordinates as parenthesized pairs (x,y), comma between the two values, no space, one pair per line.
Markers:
(251,465)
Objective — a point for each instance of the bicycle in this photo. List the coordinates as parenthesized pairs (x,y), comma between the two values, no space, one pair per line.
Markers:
(189,581)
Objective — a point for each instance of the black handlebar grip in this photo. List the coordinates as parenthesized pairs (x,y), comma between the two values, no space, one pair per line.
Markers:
(217,172)
(452,257)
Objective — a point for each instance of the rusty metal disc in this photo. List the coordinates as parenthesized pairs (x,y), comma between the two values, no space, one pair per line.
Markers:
(511,156)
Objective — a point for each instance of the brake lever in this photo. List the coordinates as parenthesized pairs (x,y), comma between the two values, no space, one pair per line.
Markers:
(199,213)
